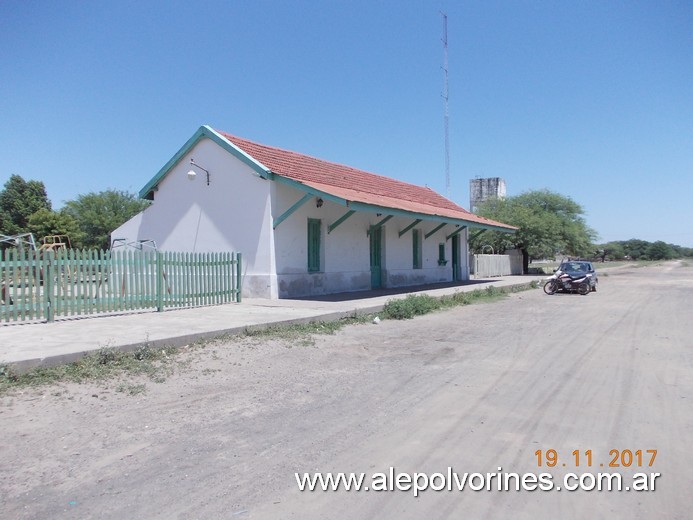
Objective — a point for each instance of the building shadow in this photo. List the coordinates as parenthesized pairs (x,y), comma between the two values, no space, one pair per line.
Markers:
(374,293)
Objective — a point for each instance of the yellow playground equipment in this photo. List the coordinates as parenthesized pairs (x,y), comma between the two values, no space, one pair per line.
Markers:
(55,242)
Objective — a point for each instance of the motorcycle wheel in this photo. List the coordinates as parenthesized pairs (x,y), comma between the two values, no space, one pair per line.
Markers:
(550,287)
(583,288)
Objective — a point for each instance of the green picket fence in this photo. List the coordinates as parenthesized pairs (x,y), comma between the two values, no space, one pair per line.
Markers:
(45,285)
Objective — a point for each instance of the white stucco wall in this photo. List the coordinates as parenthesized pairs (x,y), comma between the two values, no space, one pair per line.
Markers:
(345,260)
(236,211)
(345,254)
(464,255)
(233,213)
(399,268)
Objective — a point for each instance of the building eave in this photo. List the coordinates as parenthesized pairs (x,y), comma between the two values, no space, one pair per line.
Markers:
(385,210)
(322,191)
(204,132)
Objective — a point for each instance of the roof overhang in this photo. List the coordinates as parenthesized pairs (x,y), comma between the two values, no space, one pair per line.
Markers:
(322,191)
(202,133)
(387,210)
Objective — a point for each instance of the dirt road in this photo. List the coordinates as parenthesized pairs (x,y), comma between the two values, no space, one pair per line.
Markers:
(476,389)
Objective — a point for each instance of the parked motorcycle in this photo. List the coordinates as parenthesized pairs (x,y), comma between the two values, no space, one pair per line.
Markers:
(561,281)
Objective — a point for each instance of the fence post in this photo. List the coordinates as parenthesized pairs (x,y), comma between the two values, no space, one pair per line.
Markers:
(159,282)
(49,284)
(238,277)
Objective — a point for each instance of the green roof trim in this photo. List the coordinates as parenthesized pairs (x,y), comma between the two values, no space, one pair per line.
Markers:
(206,132)
(378,225)
(382,222)
(360,206)
(300,186)
(370,208)
(341,219)
(410,226)
(433,231)
(202,133)
(289,211)
(478,233)
(457,231)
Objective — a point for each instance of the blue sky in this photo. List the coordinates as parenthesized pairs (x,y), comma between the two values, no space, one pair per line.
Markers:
(592,99)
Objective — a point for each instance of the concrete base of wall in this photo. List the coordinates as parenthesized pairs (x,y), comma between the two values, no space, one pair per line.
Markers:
(299,285)
(407,277)
(315,284)
(259,286)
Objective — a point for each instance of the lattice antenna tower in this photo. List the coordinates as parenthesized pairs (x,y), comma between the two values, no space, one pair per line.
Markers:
(447,109)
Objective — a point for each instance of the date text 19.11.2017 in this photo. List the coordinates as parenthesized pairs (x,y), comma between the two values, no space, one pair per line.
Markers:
(584,458)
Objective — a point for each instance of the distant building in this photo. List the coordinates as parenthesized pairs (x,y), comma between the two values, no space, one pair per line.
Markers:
(481,190)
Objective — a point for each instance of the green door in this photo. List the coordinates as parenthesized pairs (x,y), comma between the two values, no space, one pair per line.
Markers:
(455,258)
(376,257)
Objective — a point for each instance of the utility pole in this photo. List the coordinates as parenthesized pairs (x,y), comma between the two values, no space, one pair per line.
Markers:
(447,110)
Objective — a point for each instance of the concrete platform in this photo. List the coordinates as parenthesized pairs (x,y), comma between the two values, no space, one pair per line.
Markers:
(27,345)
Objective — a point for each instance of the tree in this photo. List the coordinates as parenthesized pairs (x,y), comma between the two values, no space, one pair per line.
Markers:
(46,222)
(660,251)
(611,251)
(682,252)
(636,249)
(18,201)
(549,224)
(97,214)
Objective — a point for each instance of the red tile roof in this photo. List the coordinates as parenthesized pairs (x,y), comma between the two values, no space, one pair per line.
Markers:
(355,185)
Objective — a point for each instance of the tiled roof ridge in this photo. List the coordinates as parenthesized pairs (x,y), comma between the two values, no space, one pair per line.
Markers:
(233,138)
(409,191)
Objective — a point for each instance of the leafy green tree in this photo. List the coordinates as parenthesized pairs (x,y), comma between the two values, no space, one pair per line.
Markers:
(46,222)
(636,249)
(97,214)
(611,251)
(660,251)
(20,199)
(549,224)
(682,252)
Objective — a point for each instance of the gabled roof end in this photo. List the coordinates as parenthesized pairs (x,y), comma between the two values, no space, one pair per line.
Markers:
(205,131)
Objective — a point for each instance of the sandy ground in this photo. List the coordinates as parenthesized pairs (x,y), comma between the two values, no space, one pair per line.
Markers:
(475,388)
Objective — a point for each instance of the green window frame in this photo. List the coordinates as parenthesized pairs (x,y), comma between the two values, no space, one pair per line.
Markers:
(441,254)
(313,245)
(416,248)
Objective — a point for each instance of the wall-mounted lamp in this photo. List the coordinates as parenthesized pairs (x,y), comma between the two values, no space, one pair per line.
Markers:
(192,174)
(319,203)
